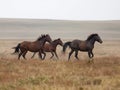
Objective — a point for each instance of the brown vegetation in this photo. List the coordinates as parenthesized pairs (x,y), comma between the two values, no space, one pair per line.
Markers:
(103,74)
(35,74)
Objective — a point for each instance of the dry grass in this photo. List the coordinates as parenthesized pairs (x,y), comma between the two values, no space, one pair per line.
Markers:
(35,74)
(103,74)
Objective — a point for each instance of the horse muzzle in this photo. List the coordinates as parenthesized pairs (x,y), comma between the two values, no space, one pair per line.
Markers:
(101,41)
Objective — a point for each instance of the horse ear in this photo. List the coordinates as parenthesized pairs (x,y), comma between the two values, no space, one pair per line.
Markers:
(46,34)
(96,34)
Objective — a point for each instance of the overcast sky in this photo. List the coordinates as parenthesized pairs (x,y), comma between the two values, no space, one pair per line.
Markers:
(61,9)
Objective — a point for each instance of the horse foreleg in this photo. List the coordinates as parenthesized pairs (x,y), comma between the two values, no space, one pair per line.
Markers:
(52,55)
(56,55)
(70,54)
(91,55)
(76,54)
(40,55)
(44,55)
(33,55)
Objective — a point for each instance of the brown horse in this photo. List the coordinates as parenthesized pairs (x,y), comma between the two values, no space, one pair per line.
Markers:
(86,46)
(36,46)
(51,47)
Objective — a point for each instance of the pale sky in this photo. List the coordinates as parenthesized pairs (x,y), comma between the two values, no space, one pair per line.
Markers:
(61,9)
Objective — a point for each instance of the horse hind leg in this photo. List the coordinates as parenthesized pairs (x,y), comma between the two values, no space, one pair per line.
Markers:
(24,54)
(20,55)
(70,54)
(76,54)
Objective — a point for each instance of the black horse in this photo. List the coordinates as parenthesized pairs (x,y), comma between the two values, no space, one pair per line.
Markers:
(86,46)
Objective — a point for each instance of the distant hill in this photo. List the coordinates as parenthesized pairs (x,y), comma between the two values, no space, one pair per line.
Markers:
(32,28)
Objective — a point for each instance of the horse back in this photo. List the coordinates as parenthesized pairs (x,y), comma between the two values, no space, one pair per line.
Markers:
(31,46)
(75,43)
(25,43)
(79,44)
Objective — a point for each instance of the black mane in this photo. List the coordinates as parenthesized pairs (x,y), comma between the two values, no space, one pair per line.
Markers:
(56,40)
(40,37)
(91,36)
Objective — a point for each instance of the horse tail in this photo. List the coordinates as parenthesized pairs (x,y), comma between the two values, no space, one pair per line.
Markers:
(66,45)
(16,48)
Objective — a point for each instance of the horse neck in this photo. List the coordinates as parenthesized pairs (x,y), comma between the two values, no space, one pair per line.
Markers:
(92,41)
(42,42)
(54,44)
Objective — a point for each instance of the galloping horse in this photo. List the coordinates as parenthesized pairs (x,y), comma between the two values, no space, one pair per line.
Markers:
(36,46)
(51,47)
(86,46)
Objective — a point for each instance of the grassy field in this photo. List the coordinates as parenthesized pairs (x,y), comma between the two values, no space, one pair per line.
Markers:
(35,74)
(103,74)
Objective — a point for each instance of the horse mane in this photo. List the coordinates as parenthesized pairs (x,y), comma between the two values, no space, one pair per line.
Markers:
(56,40)
(40,37)
(91,36)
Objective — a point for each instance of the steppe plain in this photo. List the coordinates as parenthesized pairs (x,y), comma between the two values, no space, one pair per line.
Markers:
(54,74)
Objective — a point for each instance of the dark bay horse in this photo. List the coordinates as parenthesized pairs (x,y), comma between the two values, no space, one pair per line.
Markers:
(51,47)
(36,46)
(86,46)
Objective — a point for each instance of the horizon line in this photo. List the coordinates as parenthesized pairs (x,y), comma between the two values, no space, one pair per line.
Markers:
(63,19)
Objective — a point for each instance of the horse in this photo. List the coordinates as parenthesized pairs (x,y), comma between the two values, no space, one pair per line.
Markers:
(51,47)
(80,45)
(35,46)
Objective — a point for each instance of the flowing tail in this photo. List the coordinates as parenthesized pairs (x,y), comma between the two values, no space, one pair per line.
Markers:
(16,48)
(65,46)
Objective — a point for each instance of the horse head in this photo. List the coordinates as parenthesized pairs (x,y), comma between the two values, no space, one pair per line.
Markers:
(98,39)
(48,38)
(95,37)
(60,42)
